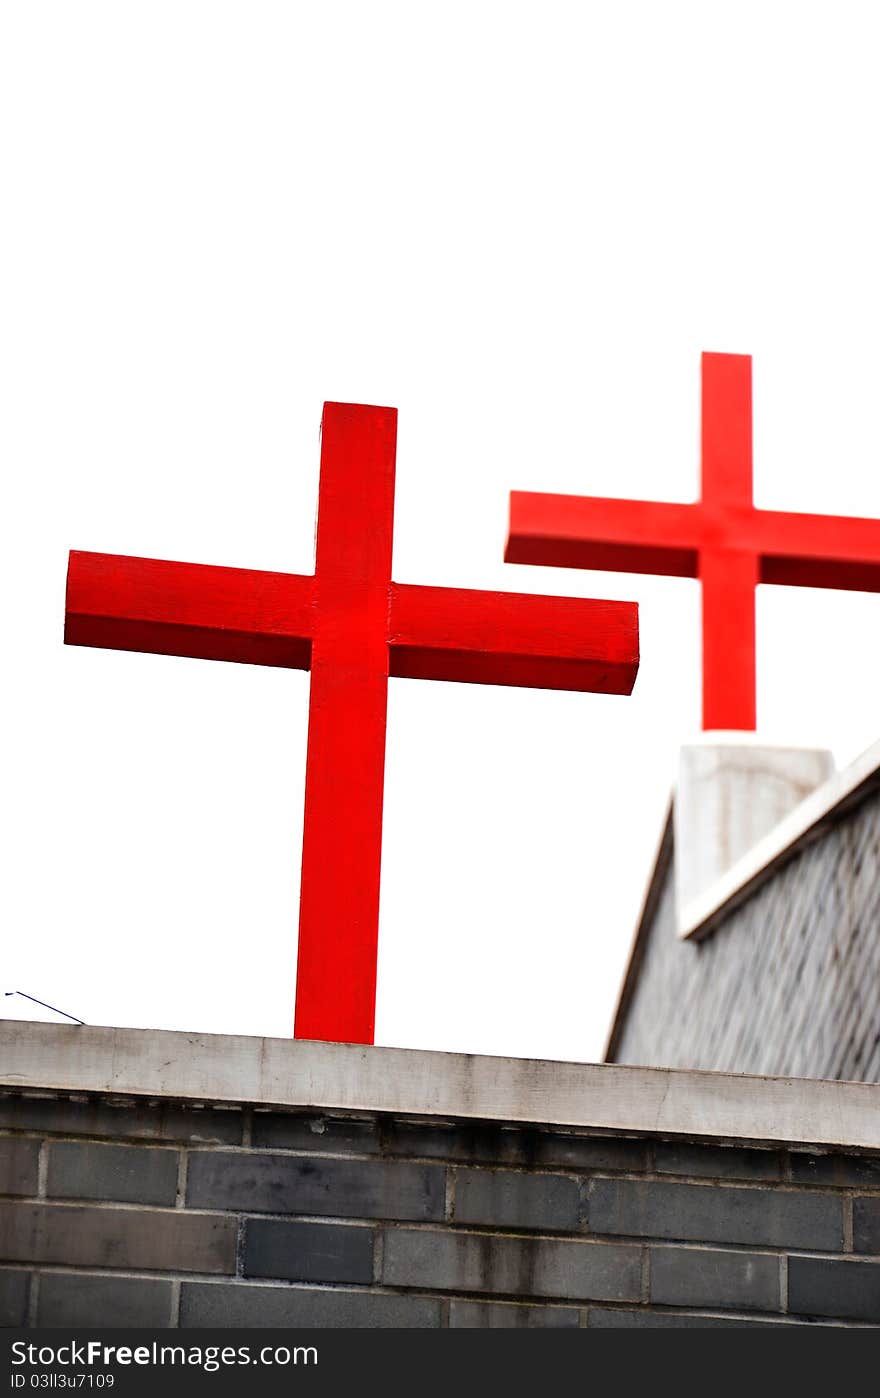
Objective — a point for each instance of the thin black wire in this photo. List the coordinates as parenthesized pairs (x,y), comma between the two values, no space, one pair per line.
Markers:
(53,1008)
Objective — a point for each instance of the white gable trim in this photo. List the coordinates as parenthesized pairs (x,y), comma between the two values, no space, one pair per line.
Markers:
(808,821)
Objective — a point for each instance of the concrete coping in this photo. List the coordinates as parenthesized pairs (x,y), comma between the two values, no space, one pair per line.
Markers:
(228,1070)
(808,820)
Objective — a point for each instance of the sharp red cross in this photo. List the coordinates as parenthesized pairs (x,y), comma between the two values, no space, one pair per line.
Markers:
(722,540)
(353,627)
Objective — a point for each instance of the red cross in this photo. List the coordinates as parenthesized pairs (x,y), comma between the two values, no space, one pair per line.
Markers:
(722,540)
(353,627)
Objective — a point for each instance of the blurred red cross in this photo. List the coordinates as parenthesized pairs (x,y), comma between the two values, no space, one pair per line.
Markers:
(353,627)
(722,540)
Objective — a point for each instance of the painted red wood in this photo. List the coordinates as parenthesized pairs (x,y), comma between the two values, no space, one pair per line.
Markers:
(194,609)
(352,626)
(721,539)
(444,633)
(342,829)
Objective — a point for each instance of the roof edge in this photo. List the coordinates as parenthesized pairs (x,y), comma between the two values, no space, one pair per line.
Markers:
(653,889)
(231,1070)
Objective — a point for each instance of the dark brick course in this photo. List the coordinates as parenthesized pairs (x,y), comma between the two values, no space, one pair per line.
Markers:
(221,1306)
(129,1174)
(486,1142)
(295,1131)
(327,1252)
(602,1153)
(14,1293)
(136,1239)
(845,1170)
(866,1225)
(18,1165)
(515,1199)
(293,1184)
(717,1162)
(513,1266)
(163,1121)
(830,1287)
(740,1281)
(768,1217)
(77,1298)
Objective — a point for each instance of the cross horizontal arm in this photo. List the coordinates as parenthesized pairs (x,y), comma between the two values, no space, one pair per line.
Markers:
(193,609)
(636,536)
(445,633)
(614,536)
(837,551)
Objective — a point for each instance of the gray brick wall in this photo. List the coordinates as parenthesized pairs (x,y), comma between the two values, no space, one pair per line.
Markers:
(788,985)
(162,1216)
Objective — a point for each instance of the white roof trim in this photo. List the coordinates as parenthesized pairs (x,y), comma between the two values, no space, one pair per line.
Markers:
(808,821)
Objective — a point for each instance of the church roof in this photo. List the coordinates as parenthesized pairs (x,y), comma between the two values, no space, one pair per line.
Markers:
(810,820)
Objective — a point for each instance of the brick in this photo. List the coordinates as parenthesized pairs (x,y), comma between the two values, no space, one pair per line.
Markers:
(707,1213)
(494,1144)
(14,1292)
(295,1131)
(315,1185)
(221,1306)
(161,1122)
(514,1199)
(136,1239)
(512,1266)
(664,1320)
(735,1281)
(482,1141)
(78,1298)
(834,1287)
(866,1225)
(329,1252)
(508,1315)
(592,1152)
(18,1165)
(432,1141)
(843,1170)
(716,1162)
(129,1174)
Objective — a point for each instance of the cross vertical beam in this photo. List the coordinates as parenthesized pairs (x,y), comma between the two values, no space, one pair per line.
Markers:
(729,575)
(726,429)
(345,764)
(729,578)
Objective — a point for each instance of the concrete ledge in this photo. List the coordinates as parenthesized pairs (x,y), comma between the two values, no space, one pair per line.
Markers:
(223,1069)
(808,821)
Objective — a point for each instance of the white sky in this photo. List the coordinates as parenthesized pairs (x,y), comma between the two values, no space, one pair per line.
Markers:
(519,224)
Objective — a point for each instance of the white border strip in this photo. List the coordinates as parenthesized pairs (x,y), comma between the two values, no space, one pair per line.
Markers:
(809,820)
(222,1069)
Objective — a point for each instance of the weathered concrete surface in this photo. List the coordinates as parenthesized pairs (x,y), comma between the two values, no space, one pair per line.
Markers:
(732,790)
(218,1068)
